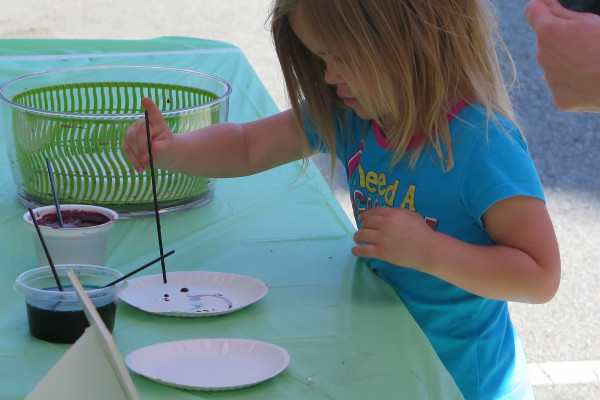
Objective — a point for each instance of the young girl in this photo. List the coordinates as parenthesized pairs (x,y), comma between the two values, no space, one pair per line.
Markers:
(450,210)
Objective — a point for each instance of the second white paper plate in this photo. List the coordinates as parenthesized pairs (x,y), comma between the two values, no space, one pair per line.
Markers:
(193,294)
(209,364)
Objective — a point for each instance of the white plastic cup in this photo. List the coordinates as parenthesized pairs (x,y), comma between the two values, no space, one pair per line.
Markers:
(86,245)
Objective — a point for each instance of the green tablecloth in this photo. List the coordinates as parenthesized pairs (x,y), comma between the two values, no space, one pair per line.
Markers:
(347,332)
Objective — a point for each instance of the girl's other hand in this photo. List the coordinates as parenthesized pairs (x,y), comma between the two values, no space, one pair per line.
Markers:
(395,235)
(522,263)
(135,142)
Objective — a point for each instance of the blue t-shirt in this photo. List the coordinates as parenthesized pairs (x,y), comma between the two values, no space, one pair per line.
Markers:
(472,335)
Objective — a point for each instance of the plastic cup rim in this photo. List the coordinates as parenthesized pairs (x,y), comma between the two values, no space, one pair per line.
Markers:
(43,210)
(31,292)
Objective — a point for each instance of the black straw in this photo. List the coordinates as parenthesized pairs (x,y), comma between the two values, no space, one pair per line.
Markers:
(160,246)
(37,228)
(60,220)
(139,269)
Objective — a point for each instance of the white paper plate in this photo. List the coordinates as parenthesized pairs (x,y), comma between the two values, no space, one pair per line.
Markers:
(193,294)
(209,364)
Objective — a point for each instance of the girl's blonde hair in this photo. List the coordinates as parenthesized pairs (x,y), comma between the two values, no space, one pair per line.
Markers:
(415,58)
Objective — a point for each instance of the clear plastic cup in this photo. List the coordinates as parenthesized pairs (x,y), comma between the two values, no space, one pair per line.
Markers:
(71,245)
(58,316)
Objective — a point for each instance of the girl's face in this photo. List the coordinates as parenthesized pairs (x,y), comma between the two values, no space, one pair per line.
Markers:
(337,72)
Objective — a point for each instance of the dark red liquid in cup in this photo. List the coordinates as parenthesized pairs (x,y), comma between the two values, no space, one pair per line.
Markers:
(61,326)
(73,219)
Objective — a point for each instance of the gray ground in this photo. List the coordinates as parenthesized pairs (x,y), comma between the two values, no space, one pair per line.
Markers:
(563,146)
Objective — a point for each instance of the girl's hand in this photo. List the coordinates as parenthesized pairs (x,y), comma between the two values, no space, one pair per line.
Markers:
(523,264)
(395,235)
(135,142)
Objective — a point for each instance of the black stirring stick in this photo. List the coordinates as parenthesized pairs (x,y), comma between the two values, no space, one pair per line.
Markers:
(160,246)
(139,269)
(37,228)
(60,220)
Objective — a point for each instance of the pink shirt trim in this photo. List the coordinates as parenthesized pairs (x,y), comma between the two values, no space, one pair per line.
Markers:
(416,140)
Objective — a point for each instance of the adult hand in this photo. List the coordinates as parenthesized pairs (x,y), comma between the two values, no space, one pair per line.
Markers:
(135,141)
(568,50)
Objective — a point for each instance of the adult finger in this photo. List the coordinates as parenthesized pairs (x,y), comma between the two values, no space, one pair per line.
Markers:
(542,12)
(536,12)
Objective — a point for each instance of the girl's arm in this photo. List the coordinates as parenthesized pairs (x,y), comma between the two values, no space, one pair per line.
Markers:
(222,150)
(523,264)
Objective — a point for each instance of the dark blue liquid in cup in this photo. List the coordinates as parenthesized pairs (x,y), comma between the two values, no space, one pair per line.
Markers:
(47,321)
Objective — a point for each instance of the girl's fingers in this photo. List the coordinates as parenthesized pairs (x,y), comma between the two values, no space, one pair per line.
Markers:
(364,250)
(365,236)
(154,113)
(134,145)
(372,222)
(135,141)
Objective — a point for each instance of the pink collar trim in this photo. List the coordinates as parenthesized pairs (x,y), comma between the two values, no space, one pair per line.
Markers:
(415,140)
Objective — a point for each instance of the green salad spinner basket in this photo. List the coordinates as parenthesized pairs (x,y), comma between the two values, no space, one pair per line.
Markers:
(77,118)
